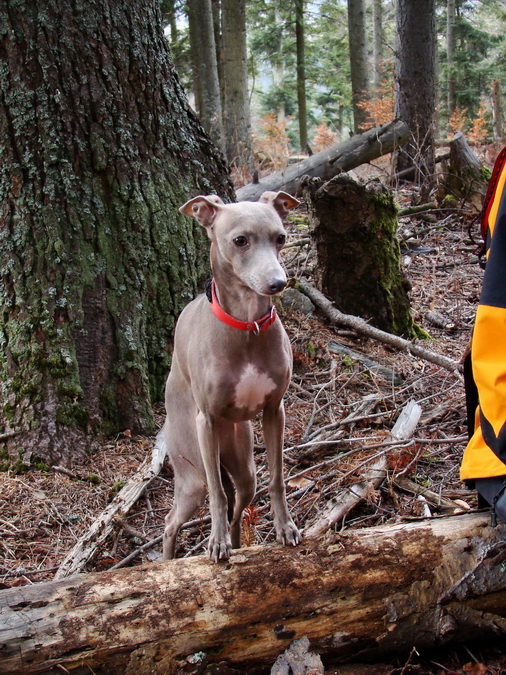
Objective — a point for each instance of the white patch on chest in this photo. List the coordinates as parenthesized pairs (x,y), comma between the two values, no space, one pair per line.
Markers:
(253,388)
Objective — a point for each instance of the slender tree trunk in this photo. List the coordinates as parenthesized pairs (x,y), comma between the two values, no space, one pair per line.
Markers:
(416,85)
(196,55)
(450,55)
(218,41)
(377,14)
(204,54)
(235,77)
(99,148)
(358,62)
(301,73)
(278,62)
(497,111)
(168,9)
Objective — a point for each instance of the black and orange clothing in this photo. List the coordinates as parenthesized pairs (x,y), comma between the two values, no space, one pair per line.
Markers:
(485,454)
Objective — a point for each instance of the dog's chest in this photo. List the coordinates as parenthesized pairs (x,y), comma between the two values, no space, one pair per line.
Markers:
(252,389)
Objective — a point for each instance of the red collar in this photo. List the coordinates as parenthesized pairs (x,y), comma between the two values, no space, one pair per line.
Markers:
(255,326)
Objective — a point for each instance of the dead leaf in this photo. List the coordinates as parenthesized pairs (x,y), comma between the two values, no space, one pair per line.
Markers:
(475,668)
(299,482)
(464,505)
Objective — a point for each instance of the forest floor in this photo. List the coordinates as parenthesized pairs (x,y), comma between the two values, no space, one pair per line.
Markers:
(43,513)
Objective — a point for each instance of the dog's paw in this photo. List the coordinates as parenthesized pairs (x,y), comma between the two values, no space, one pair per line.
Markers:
(219,548)
(288,534)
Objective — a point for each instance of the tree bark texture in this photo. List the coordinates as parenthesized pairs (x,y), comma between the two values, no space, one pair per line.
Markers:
(356,595)
(416,84)
(354,227)
(236,112)
(357,150)
(99,148)
(358,62)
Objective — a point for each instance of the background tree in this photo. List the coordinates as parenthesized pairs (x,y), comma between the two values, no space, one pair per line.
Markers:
(479,59)
(450,55)
(301,73)
(416,85)
(99,148)
(377,21)
(472,55)
(273,57)
(358,61)
(206,81)
(497,110)
(237,121)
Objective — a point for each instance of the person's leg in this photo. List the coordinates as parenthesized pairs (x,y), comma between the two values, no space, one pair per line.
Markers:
(494,491)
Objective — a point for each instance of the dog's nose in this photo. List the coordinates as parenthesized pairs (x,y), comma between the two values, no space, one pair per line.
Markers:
(276,285)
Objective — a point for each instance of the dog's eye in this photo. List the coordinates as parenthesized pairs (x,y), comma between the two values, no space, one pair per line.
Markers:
(240,241)
(281,240)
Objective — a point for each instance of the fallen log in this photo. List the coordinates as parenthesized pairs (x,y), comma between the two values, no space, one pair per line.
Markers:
(386,373)
(328,163)
(358,594)
(360,326)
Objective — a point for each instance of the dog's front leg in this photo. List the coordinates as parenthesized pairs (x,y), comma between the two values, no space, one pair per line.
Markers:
(220,544)
(274,426)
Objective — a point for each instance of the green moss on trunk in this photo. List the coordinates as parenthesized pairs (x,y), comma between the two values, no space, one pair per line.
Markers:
(355,229)
(99,150)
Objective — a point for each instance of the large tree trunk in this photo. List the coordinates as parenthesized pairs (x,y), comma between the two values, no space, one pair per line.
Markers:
(358,257)
(331,161)
(99,149)
(416,85)
(356,595)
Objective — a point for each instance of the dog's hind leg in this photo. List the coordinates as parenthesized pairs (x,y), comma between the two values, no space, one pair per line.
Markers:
(189,495)
(190,487)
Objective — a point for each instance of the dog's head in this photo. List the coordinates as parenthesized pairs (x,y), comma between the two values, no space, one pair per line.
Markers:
(246,237)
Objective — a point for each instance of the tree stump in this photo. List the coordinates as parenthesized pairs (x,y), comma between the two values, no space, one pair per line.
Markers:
(464,178)
(354,227)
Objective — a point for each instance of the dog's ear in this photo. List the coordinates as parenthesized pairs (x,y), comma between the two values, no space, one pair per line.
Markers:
(281,201)
(203,209)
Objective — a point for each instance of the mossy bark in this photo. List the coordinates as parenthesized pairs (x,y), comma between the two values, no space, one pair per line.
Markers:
(355,230)
(99,148)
